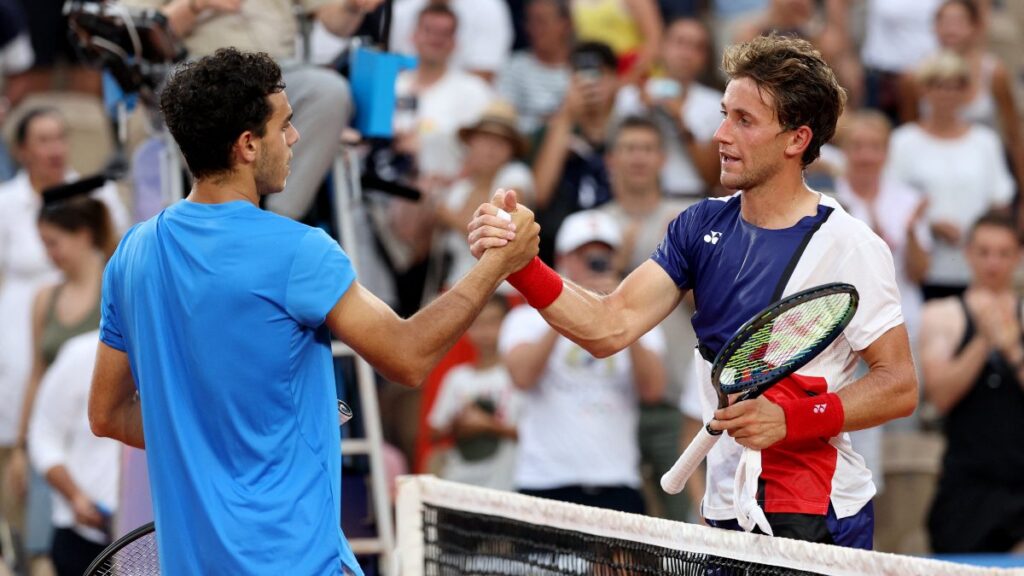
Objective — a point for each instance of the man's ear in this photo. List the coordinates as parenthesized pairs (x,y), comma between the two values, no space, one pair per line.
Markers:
(246,148)
(799,140)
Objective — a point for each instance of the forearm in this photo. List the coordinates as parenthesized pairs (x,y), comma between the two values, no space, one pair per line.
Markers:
(885,393)
(526,362)
(594,321)
(59,478)
(649,373)
(28,401)
(551,157)
(182,15)
(126,423)
(917,259)
(341,18)
(946,383)
(430,333)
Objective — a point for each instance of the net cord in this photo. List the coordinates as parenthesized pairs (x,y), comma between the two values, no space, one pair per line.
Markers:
(415,491)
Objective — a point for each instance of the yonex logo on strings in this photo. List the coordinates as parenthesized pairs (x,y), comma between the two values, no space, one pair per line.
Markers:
(819,408)
(712,237)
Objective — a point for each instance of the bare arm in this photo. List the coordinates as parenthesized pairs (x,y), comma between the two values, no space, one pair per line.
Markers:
(909,98)
(917,259)
(39,305)
(948,375)
(376,333)
(84,509)
(648,20)
(606,324)
(888,391)
(547,168)
(1010,122)
(342,18)
(649,373)
(114,408)
(183,15)
(526,362)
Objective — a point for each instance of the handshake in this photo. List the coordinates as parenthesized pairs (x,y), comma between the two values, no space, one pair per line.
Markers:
(504,230)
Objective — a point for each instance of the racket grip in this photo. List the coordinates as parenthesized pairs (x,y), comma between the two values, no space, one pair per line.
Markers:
(675,479)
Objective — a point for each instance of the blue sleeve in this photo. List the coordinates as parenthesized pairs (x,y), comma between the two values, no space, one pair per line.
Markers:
(320,275)
(672,253)
(110,321)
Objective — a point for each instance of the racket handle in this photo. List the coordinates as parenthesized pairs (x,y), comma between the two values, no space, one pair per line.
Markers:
(675,479)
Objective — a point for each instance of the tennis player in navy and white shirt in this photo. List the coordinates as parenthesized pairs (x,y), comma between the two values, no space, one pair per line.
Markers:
(786,467)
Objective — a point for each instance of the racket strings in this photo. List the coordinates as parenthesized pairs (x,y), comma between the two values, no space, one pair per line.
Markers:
(137,558)
(786,339)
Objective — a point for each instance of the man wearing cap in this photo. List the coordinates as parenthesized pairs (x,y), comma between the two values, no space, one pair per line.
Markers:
(494,148)
(578,430)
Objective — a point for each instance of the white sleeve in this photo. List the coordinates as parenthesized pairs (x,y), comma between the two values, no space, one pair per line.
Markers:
(869,267)
(50,424)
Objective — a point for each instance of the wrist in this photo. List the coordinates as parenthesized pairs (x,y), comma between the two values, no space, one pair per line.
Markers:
(538,283)
(813,417)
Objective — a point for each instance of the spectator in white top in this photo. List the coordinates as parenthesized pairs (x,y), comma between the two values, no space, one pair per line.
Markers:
(960,168)
(635,158)
(484,37)
(493,147)
(434,101)
(443,97)
(893,209)
(578,429)
(82,469)
(41,147)
(687,111)
(535,80)
(959,26)
(478,407)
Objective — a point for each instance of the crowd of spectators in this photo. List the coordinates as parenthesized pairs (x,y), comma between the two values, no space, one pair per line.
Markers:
(602,115)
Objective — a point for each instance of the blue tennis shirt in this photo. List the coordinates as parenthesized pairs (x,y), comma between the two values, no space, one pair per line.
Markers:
(220,309)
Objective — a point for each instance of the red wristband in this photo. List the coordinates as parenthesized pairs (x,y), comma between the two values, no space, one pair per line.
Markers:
(813,417)
(538,283)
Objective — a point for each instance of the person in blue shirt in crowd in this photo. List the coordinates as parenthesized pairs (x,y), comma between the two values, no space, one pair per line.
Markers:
(216,325)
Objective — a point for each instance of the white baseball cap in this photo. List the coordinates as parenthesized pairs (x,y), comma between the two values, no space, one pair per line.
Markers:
(587,226)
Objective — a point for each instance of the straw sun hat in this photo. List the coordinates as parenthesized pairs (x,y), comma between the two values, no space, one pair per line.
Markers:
(498,119)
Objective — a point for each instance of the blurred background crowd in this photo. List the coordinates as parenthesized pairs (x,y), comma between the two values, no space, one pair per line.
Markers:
(601,115)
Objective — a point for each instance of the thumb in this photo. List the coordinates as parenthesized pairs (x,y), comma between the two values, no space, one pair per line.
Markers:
(499,198)
(510,201)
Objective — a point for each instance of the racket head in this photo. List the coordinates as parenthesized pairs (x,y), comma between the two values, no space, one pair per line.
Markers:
(134,554)
(783,338)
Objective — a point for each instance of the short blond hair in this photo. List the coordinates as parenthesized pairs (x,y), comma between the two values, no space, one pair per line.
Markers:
(942,67)
(862,117)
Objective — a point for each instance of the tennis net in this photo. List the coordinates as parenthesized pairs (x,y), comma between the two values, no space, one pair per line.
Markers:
(450,529)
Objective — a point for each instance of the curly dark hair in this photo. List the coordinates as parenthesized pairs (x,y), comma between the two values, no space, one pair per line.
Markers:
(803,88)
(209,103)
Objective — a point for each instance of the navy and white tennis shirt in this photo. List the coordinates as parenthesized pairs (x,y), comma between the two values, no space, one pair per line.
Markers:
(735,270)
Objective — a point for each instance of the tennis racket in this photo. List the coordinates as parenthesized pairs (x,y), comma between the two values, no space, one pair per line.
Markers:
(770,346)
(134,554)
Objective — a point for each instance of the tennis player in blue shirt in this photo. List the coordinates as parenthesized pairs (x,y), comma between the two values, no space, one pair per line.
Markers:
(220,315)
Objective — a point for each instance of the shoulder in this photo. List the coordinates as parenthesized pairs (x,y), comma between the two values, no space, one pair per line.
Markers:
(942,314)
(984,135)
(908,132)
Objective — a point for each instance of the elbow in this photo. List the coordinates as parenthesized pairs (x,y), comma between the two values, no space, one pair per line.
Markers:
(100,423)
(909,394)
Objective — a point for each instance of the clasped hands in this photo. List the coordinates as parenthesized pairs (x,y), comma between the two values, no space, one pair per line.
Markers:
(491,235)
